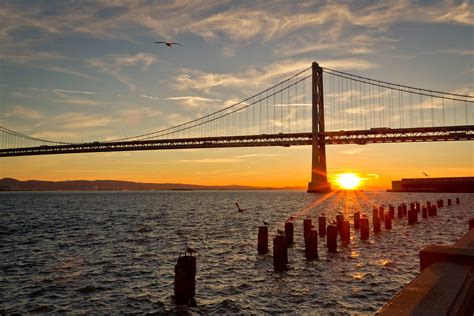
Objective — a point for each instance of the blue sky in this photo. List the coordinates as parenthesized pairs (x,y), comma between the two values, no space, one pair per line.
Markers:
(89,70)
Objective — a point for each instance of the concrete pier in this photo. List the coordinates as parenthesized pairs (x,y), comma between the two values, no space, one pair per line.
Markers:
(445,285)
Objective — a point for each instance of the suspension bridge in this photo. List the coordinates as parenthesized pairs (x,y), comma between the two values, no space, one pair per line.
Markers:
(317,106)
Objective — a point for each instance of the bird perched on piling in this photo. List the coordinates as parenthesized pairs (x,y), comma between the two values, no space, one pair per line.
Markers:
(169,44)
(265,223)
(190,250)
(280,232)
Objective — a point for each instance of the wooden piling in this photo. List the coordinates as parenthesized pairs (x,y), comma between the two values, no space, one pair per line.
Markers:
(289,229)
(262,244)
(391,211)
(364,228)
(411,217)
(345,232)
(339,220)
(331,238)
(400,211)
(424,212)
(280,253)
(457,200)
(388,221)
(185,280)
(449,202)
(356,220)
(311,245)
(322,225)
(381,213)
(376,221)
(307,223)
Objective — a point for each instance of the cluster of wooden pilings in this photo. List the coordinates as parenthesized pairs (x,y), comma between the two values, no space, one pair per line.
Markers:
(340,228)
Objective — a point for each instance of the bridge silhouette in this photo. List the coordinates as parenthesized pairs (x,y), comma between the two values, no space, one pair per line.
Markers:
(305,109)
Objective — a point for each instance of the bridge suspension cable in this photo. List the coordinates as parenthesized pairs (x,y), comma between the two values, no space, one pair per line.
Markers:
(352,103)
(356,103)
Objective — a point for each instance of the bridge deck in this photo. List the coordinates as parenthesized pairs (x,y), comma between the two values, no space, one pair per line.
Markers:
(361,137)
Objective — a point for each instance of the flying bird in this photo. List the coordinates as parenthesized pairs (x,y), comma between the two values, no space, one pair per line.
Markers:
(426,175)
(240,209)
(169,44)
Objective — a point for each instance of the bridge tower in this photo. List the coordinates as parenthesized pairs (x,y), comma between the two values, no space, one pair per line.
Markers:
(319,180)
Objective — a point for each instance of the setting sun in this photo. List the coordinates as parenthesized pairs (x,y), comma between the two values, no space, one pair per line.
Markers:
(348,181)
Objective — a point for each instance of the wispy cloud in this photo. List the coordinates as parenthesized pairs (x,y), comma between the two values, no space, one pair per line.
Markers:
(117,65)
(148,97)
(193,101)
(78,120)
(23,113)
(258,77)
(73,91)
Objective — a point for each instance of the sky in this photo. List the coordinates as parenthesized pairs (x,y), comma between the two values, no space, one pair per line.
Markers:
(82,71)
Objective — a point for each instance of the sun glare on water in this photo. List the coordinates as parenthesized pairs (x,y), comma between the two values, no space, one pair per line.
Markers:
(348,181)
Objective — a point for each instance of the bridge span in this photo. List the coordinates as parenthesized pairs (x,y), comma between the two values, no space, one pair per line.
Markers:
(301,110)
(361,137)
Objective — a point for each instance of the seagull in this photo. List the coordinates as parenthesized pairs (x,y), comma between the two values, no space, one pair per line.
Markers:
(190,250)
(426,175)
(240,209)
(265,223)
(169,44)
(280,232)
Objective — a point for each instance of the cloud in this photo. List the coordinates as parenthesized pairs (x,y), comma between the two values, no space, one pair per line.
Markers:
(136,115)
(78,120)
(459,52)
(23,113)
(193,101)
(148,97)
(255,77)
(73,91)
(117,66)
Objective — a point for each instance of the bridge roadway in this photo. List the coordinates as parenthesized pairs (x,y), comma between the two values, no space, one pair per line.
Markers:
(360,137)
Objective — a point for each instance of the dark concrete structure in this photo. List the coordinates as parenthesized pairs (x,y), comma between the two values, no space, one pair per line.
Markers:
(455,184)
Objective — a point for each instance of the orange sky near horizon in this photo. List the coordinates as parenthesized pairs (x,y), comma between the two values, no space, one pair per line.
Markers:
(377,164)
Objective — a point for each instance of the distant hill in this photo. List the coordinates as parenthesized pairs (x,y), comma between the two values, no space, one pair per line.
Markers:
(86,185)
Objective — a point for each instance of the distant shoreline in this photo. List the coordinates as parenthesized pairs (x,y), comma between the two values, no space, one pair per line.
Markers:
(14,185)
